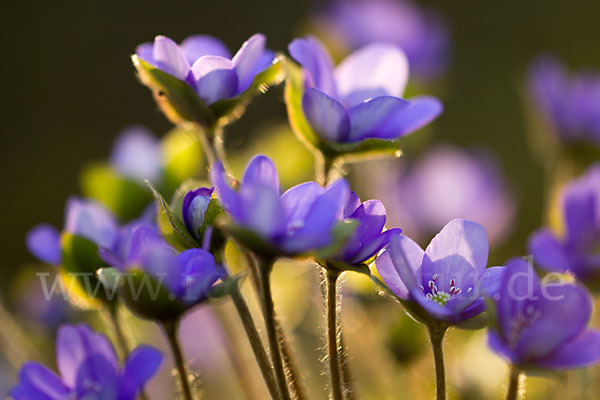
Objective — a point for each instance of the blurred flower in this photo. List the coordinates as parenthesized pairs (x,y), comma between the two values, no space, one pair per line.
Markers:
(296,222)
(137,154)
(446,183)
(542,327)
(360,99)
(569,102)
(89,368)
(206,65)
(421,33)
(368,238)
(577,250)
(445,282)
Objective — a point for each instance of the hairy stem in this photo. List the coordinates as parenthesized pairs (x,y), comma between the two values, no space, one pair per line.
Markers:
(332,336)
(269,315)
(170,329)
(514,384)
(256,343)
(436,337)
(323,167)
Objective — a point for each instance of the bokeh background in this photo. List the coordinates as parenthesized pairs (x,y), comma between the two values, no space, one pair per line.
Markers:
(68,88)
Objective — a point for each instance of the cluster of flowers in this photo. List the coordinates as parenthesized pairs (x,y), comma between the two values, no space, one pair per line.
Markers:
(354,109)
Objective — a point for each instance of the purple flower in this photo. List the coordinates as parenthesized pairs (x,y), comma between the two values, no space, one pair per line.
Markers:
(299,221)
(445,282)
(195,205)
(421,33)
(89,368)
(446,183)
(577,250)
(542,326)
(188,276)
(368,239)
(360,98)
(206,64)
(84,218)
(136,154)
(569,103)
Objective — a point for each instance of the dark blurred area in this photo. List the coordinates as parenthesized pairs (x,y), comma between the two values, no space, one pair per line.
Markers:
(69,87)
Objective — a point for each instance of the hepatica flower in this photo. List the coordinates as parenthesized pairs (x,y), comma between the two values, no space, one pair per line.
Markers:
(446,282)
(578,249)
(360,98)
(194,208)
(297,222)
(137,155)
(569,102)
(89,369)
(542,326)
(420,32)
(206,64)
(368,238)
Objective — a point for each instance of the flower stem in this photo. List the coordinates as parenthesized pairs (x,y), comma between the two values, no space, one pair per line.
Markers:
(269,315)
(256,343)
(514,384)
(171,333)
(323,167)
(113,315)
(332,335)
(436,337)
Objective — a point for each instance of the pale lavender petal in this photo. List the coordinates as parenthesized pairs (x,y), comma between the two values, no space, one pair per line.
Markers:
(261,170)
(491,280)
(97,378)
(145,51)
(229,198)
(39,383)
(43,241)
(498,346)
(372,71)
(168,57)
(297,202)
(371,219)
(547,252)
(215,78)
(246,59)
(196,46)
(92,221)
(141,364)
(192,275)
(579,207)
(404,254)
(461,237)
(137,154)
(368,250)
(420,112)
(327,116)
(352,204)
(370,119)
(262,210)
(317,63)
(582,351)
(193,209)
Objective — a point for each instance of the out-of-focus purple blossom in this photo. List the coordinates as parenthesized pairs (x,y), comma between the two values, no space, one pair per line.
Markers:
(89,368)
(421,33)
(137,154)
(299,221)
(368,238)
(206,65)
(360,98)
(446,183)
(447,281)
(542,327)
(577,250)
(569,102)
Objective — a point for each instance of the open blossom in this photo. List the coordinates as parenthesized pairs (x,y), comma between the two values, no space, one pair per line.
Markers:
(89,369)
(296,222)
(569,102)
(206,64)
(136,154)
(577,250)
(447,280)
(368,238)
(420,32)
(444,184)
(360,98)
(542,326)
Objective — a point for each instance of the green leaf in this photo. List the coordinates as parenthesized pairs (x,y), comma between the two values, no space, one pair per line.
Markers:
(171,226)
(125,197)
(226,287)
(228,110)
(177,100)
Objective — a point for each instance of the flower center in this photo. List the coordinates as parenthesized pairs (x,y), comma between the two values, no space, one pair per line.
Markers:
(520,323)
(441,297)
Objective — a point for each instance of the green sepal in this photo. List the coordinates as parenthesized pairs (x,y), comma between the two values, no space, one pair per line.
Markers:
(228,110)
(248,238)
(125,197)
(226,286)
(80,260)
(143,295)
(342,266)
(170,225)
(355,151)
(176,98)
